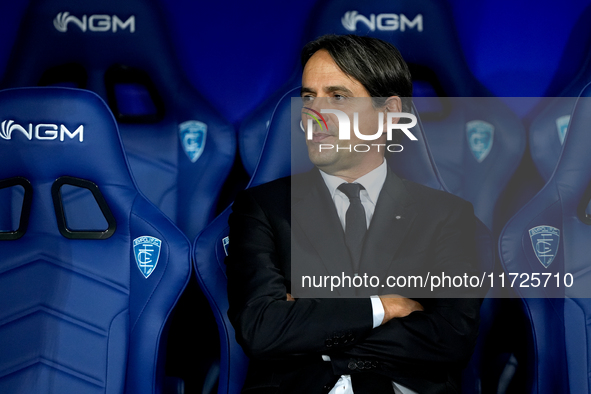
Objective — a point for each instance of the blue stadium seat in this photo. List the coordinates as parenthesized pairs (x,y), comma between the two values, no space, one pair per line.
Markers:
(424,33)
(558,219)
(90,269)
(283,155)
(547,131)
(548,128)
(179,148)
(254,128)
(478,145)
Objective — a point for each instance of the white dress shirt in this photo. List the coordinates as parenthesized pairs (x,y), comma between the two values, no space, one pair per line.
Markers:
(372,182)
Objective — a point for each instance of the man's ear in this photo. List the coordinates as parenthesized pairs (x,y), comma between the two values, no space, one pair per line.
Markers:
(393,104)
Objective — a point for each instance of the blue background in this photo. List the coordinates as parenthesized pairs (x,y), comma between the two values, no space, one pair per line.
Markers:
(236,53)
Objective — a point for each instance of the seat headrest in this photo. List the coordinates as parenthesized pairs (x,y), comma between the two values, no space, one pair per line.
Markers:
(96,34)
(414,162)
(574,163)
(47,132)
(422,30)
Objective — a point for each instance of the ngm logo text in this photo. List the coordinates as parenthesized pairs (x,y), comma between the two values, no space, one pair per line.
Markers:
(40,131)
(95,23)
(344,132)
(382,22)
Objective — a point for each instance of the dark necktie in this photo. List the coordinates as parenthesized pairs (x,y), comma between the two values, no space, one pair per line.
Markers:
(355,222)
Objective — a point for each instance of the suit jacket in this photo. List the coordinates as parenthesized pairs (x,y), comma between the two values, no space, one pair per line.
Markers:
(295,217)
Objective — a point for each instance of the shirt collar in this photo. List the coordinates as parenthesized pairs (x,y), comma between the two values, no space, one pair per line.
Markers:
(372,181)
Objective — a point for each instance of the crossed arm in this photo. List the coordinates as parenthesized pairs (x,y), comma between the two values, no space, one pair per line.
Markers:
(394,305)
(271,325)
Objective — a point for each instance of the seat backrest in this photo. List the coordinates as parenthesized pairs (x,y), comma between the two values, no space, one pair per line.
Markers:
(478,145)
(179,148)
(550,236)
(547,133)
(548,129)
(283,155)
(90,269)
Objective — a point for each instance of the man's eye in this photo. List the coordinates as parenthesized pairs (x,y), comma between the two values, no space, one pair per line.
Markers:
(337,98)
(307,99)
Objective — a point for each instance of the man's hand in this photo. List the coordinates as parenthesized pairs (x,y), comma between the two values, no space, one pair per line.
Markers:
(290,298)
(398,306)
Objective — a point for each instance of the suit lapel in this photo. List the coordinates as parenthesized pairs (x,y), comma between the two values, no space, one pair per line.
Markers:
(391,221)
(314,212)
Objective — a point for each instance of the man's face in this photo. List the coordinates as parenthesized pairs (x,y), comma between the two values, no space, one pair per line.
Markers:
(325,86)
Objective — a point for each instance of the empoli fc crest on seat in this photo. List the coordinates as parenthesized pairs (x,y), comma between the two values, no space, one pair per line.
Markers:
(146,250)
(544,240)
(480,138)
(562,126)
(193,134)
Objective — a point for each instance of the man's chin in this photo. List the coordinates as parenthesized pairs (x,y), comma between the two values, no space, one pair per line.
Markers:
(321,159)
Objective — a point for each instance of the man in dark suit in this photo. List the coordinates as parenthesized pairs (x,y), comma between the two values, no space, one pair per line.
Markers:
(350,215)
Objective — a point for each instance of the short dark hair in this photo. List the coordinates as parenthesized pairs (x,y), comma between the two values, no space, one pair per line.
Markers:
(376,64)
